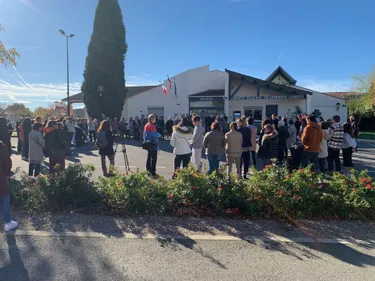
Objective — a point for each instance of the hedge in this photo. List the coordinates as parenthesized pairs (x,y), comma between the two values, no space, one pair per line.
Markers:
(271,192)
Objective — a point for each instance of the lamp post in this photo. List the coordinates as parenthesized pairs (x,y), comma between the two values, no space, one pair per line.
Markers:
(67,64)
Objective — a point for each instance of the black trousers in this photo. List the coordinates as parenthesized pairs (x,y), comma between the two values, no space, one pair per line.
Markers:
(25,147)
(245,162)
(92,136)
(34,170)
(137,136)
(322,164)
(253,155)
(334,156)
(185,159)
(152,157)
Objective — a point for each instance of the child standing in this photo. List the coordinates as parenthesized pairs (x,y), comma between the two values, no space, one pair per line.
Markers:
(348,147)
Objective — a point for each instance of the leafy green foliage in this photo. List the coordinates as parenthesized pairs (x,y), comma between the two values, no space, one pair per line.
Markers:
(105,62)
(19,109)
(271,192)
(8,56)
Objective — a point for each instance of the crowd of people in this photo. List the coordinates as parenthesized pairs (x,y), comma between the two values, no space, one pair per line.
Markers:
(299,141)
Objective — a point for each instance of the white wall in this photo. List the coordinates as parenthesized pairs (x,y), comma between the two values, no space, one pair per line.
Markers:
(285,107)
(327,106)
(189,82)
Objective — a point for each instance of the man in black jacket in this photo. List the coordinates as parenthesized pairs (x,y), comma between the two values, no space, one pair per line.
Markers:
(246,145)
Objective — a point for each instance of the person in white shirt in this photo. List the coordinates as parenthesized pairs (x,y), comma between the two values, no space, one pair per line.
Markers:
(93,126)
(181,139)
(197,143)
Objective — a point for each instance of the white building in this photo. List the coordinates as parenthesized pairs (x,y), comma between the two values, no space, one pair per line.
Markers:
(208,92)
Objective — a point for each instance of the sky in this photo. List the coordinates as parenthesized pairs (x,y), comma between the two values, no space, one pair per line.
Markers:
(321,43)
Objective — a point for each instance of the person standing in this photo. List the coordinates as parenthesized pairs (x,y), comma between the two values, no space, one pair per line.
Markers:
(355,129)
(69,125)
(4,134)
(25,130)
(57,148)
(311,138)
(234,140)
(246,145)
(283,136)
(92,126)
(169,126)
(348,147)
(269,145)
(161,127)
(150,135)
(323,151)
(114,126)
(197,143)
(136,125)
(292,131)
(275,121)
(336,136)
(181,139)
(214,142)
(19,143)
(36,155)
(5,169)
(105,144)
(254,132)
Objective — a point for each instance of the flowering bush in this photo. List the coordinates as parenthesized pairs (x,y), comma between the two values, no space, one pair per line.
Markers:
(273,191)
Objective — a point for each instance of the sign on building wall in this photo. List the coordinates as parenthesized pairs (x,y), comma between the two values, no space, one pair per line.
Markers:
(270,97)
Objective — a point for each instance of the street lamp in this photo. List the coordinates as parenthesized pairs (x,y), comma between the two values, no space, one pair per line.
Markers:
(67,64)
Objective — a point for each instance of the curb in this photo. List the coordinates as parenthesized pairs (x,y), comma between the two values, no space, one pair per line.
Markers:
(195,237)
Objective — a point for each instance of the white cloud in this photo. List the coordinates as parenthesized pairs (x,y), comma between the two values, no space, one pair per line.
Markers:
(281,55)
(325,86)
(28,4)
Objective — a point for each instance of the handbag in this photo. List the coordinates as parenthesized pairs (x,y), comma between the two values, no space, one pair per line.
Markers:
(148,145)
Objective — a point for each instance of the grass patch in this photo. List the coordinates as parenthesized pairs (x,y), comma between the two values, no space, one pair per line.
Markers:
(367,135)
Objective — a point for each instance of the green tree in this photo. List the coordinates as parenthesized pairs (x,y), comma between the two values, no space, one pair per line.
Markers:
(103,87)
(43,112)
(7,56)
(19,109)
(363,105)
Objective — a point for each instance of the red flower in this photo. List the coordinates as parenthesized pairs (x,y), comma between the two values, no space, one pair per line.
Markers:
(313,173)
(157,175)
(171,196)
(341,188)
(354,190)
(194,188)
(320,186)
(220,188)
(363,180)
(298,197)
(281,193)
(177,169)
(174,173)
(186,198)
(289,175)
(119,183)
(295,190)
(123,174)
(368,186)
(132,172)
(346,181)
(301,170)
(257,198)
(311,185)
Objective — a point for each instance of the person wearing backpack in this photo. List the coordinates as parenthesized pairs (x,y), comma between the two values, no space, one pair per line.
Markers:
(105,144)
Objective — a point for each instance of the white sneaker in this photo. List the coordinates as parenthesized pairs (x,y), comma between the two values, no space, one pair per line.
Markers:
(10,225)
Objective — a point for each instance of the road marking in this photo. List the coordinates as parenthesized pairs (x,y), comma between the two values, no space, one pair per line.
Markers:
(195,237)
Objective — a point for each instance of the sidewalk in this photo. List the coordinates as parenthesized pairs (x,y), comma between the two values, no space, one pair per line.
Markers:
(153,227)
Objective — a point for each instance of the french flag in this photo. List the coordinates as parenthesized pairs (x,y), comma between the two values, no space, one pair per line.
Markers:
(164,88)
(170,82)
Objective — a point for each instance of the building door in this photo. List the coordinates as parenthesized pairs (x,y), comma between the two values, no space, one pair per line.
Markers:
(272,109)
(236,115)
(158,111)
(254,112)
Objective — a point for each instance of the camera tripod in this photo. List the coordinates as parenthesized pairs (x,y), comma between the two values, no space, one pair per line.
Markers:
(124,153)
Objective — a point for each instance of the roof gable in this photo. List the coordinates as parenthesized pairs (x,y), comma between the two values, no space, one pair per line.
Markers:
(280,76)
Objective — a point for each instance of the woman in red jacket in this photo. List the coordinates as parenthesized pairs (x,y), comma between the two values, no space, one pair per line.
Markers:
(5,168)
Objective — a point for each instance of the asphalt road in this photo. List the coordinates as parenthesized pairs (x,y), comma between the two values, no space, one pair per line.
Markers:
(54,258)
(88,154)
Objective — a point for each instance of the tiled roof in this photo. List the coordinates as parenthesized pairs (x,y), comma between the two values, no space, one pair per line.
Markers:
(209,93)
(343,95)
(131,91)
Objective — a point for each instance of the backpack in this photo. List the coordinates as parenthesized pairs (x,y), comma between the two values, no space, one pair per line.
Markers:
(101,141)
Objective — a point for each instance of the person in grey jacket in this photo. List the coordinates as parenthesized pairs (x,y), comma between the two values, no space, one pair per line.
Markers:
(36,146)
(197,143)
(214,143)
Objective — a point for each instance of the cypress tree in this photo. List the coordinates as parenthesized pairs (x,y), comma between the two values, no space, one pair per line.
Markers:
(105,62)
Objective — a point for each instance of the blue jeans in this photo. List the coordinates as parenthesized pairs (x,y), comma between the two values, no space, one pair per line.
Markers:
(5,208)
(213,163)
